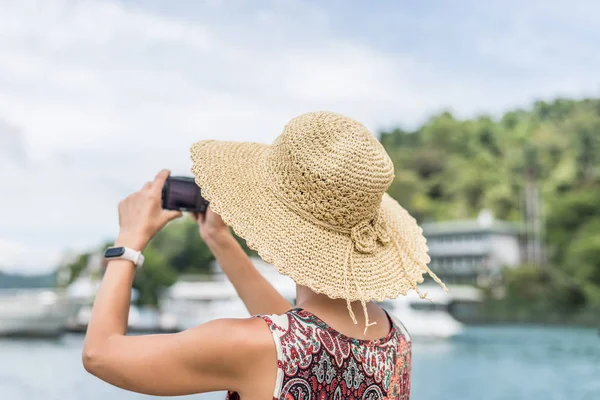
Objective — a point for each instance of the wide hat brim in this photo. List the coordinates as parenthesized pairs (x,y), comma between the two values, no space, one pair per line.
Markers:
(231,176)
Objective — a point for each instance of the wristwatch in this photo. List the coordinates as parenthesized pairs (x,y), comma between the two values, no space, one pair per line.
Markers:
(124,253)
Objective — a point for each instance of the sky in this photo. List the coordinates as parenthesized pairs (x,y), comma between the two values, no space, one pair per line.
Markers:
(97,96)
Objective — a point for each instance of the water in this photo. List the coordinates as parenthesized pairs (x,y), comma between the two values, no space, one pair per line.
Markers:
(492,363)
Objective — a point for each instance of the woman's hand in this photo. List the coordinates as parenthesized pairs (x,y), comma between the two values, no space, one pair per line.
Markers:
(211,226)
(141,215)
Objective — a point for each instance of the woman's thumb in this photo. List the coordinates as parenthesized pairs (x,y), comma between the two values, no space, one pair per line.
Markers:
(170,215)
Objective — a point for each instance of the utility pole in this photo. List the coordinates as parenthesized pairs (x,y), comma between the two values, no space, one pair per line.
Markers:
(533,220)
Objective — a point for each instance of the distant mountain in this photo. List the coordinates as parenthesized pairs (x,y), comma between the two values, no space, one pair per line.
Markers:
(15,281)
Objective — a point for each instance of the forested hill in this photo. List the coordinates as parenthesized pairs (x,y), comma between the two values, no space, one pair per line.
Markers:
(14,281)
(451,168)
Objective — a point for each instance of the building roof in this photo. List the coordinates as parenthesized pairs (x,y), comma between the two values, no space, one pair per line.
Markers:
(470,226)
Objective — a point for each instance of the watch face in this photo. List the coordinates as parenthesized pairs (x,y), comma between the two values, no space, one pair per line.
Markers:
(114,252)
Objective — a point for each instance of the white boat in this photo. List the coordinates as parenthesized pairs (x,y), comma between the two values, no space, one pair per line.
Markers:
(192,302)
(426,319)
(33,312)
(195,302)
(81,295)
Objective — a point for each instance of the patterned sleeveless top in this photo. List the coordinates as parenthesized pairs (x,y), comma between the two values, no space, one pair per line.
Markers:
(317,362)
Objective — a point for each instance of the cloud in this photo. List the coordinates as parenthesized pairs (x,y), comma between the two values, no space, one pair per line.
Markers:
(39,259)
(12,145)
(100,95)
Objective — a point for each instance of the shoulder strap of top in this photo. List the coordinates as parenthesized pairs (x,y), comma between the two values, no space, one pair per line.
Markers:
(279,326)
(400,326)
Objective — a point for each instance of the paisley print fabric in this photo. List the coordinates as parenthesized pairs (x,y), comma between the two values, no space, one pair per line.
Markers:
(317,362)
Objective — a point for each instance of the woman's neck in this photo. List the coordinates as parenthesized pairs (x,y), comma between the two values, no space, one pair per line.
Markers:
(335,312)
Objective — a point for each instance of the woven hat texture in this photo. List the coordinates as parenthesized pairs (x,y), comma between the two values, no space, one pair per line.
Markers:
(314,204)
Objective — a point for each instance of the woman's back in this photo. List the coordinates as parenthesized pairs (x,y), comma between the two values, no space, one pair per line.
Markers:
(317,362)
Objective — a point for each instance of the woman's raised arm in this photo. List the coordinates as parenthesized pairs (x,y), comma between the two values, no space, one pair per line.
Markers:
(259,296)
(213,356)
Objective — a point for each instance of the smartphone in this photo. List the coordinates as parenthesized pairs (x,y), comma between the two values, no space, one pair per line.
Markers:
(181,193)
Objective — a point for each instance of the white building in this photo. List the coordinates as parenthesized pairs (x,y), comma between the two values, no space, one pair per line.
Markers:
(472,251)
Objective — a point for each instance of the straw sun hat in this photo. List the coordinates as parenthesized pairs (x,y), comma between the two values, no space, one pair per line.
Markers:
(314,204)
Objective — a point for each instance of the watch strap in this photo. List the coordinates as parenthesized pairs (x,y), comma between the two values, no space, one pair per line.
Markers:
(136,256)
(125,253)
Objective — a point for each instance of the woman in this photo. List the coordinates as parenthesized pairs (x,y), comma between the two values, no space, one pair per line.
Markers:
(314,205)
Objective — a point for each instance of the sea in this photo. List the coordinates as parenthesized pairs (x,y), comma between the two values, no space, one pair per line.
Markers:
(491,363)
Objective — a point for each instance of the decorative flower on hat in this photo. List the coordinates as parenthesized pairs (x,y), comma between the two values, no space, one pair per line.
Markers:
(365,234)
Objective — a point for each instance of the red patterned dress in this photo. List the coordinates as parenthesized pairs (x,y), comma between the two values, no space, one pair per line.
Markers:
(317,362)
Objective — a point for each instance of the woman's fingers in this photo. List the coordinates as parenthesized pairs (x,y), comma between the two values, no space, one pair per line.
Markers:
(159,181)
(198,217)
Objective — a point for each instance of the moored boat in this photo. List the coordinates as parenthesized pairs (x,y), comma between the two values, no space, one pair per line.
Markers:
(33,312)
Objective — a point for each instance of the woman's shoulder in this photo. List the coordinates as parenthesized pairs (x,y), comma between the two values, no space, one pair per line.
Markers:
(237,331)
